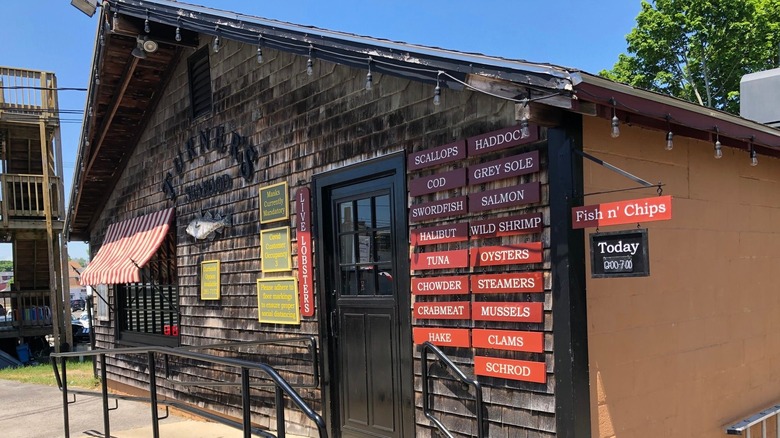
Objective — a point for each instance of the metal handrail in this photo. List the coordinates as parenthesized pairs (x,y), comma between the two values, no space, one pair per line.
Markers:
(456,371)
(761,417)
(282,388)
(312,347)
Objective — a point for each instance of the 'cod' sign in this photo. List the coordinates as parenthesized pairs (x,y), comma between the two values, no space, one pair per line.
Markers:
(619,254)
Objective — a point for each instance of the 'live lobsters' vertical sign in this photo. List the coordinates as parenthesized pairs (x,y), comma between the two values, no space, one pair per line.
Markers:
(303,233)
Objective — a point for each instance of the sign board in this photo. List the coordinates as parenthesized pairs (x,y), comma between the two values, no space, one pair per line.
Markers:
(620,254)
(209,280)
(438,182)
(515,282)
(442,310)
(457,258)
(501,139)
(513,196)
(658,208)
(512,340)
(506,167)
(506,226)
(513,254)
(450,285)
(443,337)
(277,300)
(274,203)
(458,232)
(507,311)
(443,208)
(275,250)
(510,369)
(303,234)
(440,155)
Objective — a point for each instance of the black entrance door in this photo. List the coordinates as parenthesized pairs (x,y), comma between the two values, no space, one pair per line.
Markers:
(365,300)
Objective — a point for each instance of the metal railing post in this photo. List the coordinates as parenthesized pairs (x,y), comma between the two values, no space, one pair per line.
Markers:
(104,393)
(280,432)
(153,395)
(245,402)
(65,416)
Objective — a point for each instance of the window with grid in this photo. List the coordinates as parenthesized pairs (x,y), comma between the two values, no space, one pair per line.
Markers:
(148,312)
(199,72)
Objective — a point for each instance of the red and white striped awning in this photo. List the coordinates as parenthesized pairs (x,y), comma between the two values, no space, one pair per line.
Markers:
(127,244)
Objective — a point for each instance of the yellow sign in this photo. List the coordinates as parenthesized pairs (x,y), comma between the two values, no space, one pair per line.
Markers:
(274,203)
(277,300)
(275,250)
(209,280)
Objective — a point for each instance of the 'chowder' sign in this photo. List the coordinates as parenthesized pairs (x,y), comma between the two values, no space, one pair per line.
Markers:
(238,147)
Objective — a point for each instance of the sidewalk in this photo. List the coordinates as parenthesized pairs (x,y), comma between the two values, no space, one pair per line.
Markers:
(35,411)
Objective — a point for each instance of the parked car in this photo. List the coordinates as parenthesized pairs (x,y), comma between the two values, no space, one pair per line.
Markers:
(80,333)
(84,319)
(77,304)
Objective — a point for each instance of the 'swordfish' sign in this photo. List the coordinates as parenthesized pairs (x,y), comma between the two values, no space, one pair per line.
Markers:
(443,208)
(657,208)
(303,233)
(620,254)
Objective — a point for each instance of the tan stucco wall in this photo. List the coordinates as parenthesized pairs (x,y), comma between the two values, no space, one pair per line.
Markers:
(696,345)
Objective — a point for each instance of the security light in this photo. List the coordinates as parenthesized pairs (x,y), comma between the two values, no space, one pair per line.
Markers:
(86,6)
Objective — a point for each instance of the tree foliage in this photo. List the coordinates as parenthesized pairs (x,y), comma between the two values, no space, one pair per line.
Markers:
(699,50)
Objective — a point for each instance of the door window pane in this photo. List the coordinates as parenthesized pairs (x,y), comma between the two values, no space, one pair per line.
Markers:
(364,214)
(345,217)
(382,214)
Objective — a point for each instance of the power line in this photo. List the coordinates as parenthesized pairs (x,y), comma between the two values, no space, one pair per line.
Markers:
(27,87)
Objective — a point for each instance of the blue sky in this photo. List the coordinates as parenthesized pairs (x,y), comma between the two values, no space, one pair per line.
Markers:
(588,35)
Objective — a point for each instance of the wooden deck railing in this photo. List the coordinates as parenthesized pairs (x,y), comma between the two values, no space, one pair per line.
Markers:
(22,196)
(25,308)
(27,91)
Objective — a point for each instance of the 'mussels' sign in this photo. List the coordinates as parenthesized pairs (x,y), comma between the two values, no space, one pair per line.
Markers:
(508,311)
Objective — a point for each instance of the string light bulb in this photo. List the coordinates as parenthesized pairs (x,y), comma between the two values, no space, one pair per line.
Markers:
(437,92)
(718,146)
(115,20)
(615,132)
(259,49)
(525,132)
(369,78)
(178,33)
(753,155)
(309,64)
(216,46)
(146,23)
(669,134)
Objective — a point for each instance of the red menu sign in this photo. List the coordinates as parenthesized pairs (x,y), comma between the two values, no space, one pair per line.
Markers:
(507,167)
(303,233)
(507,311)
(451,285)
(514,254)
(501,139)
(516,282)
(442,234)
(515,195)
(437,182)
(658,208)
(506,226)
(458,258)
(508,340)
(440,155)
(445,337)
(442,310)
(444,208)
(510,369)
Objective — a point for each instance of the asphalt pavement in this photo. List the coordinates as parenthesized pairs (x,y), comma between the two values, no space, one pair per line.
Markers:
(35,411)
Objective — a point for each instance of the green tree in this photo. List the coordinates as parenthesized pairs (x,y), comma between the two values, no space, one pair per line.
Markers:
(6,265)
(699,50)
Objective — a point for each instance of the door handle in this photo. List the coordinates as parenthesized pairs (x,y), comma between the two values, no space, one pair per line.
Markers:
(333,324)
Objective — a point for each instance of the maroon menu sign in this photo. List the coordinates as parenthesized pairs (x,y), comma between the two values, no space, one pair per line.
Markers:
(507,167)
(506,226)
(437,209)
(442,234)
(458,258)
(438,182)
(515,282)
(501,139)
(442,310)
(509,312)
(450,285)
(303,233)
(505,197)
(514,254)
(440,155)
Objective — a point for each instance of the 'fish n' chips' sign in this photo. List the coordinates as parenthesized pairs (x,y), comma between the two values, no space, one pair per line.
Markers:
(657,208)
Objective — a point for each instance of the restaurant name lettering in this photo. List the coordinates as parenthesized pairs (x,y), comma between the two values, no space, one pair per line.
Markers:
(240,148)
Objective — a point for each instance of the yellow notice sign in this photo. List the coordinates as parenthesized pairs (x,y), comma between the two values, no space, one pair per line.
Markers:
(274,203)
(277,300)
(275,250)
(209,280)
